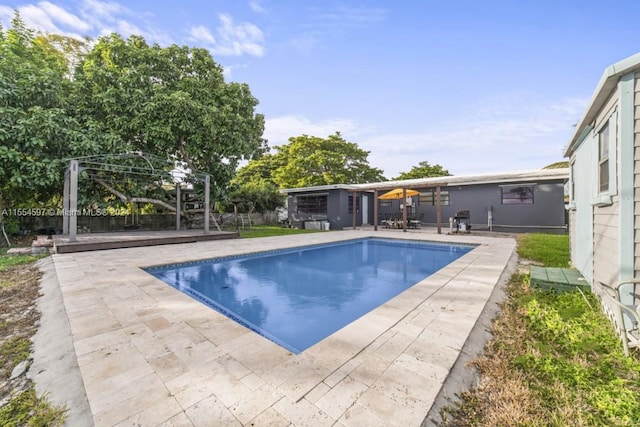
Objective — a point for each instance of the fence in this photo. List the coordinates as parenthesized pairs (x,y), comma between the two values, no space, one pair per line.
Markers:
(107,223)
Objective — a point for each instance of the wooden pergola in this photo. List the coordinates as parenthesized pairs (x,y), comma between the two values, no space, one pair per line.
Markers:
(405,187)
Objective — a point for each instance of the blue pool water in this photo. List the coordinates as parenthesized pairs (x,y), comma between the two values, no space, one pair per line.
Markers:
(299,296)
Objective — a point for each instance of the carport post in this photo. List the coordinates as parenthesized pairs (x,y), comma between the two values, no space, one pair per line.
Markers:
(206,203)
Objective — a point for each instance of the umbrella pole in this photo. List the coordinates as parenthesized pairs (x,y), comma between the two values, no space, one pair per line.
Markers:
(404,210)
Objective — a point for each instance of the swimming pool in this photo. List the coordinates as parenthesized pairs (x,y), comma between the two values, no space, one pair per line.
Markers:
(299,296)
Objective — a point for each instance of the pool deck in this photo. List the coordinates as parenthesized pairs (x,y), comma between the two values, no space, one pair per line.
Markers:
(121,348)
(132,239)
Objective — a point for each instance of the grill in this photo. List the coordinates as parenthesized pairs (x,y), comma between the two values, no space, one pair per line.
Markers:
(462,221)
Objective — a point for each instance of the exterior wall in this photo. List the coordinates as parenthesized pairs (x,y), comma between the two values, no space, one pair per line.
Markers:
(337,210)
(547,213)
(572,236)
(606,265)
(606,259)
(636,168)
(581,208)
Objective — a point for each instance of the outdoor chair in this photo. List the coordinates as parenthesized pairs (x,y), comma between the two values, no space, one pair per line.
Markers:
(624,297)
(416,222)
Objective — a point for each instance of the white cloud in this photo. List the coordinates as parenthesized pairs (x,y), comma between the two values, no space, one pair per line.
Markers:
(64,17)
(202,34)
(278,130)
(496,137)
(6,14)
(230,39)
(499,137)
(91,17)
(256,6)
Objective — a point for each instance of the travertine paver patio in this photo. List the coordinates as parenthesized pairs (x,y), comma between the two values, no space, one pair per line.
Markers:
(150,355)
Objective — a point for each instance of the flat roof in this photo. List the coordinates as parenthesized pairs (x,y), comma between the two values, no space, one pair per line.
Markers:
(445,181)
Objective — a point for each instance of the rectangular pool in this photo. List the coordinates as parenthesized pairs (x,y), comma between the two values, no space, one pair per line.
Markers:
(299,296)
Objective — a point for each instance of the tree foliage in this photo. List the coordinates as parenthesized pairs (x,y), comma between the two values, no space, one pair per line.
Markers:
(253,184)
(170,101)
(423,170)
(310,160)
(60,100)
(557,165)
(36,129)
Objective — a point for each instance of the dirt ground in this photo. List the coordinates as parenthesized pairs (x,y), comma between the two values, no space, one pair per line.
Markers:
(19,319)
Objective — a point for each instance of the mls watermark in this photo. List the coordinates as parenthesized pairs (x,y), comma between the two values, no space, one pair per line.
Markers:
(26,212)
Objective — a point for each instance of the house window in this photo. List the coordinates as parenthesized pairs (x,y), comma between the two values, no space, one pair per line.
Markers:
(429,198)
(517,195)
(351,204)
(603,159)
(572,182)
(316,204)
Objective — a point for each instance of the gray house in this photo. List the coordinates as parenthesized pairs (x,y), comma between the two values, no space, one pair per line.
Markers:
(512,201)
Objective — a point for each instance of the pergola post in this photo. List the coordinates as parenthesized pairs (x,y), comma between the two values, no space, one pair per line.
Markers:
(404,210)
(73,201)
(178,203)
(353,209)
(206,203)
(438,210)
(65,202)
(375,209)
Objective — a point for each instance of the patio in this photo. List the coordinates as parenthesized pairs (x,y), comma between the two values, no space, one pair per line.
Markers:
(137,351)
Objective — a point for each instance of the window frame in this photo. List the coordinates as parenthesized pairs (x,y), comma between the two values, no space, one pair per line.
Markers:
(428,198)
(518,199)
(309,207)
(350,204)
(601,196)
(603,159)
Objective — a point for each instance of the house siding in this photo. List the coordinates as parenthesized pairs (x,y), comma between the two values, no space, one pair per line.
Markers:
(636,169)
(605,229)
(546,214)
(606,260)
(582,208)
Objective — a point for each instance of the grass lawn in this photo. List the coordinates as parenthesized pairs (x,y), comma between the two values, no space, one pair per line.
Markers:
(272,230)
(554,360)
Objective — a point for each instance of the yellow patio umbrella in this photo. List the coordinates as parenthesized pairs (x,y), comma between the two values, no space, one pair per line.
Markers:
(396,193)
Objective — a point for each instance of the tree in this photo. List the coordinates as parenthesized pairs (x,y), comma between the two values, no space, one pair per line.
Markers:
(255,187)
(172,102)
(423,170)
(557,165)
(257,195)
(310,160)
(36,129)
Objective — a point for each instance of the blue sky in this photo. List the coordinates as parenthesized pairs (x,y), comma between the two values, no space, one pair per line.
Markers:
(476,86)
